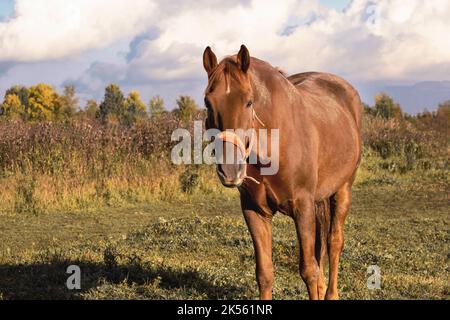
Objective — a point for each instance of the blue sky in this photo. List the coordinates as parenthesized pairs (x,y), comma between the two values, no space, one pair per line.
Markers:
(155,47)
(337,4)
(6,8)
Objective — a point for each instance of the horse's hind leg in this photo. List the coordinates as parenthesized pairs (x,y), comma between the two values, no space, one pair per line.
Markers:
(339,210)
(322,230)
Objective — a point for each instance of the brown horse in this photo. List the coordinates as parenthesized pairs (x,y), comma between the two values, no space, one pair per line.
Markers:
(319,118)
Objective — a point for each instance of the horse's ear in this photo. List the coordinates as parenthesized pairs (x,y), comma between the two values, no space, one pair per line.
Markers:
(209,60)
(243,58)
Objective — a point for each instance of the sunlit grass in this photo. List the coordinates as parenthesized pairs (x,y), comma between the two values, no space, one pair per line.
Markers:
(202,250)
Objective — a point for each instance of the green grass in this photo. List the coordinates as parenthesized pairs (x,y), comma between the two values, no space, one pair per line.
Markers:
(200,249)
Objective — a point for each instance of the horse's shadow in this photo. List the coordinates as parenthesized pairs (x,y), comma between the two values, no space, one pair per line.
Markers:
(48,281)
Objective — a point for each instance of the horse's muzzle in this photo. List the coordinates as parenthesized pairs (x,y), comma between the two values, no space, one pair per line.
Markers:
(231,175)
(232,170)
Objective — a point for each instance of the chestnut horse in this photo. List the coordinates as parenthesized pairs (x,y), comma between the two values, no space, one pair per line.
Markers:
(319,119)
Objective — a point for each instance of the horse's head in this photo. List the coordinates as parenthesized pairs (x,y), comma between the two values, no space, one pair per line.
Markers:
(229,101)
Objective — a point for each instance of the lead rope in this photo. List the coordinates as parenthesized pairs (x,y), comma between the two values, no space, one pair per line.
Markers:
(255,116)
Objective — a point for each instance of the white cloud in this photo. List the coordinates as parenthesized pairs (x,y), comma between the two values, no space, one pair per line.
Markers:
(51,29)
(371,40)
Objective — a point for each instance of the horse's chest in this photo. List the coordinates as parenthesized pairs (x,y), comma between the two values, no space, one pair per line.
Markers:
(278,198)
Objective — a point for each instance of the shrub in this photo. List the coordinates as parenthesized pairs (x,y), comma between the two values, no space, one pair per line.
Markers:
(189,180)
(25,201)
(400,139)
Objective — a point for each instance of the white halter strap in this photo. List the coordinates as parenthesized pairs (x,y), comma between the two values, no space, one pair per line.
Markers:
(234,139)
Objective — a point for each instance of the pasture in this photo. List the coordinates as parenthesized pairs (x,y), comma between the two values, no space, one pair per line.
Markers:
(199,248)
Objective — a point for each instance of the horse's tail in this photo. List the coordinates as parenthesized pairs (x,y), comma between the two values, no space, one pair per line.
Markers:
(323,225)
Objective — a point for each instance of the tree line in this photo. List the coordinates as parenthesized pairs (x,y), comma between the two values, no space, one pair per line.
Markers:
(385,107)
(42,102)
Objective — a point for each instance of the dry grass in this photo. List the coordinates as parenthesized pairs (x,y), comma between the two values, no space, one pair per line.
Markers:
(82,165)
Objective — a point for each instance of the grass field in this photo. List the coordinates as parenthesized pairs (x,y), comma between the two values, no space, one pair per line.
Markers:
(200,249)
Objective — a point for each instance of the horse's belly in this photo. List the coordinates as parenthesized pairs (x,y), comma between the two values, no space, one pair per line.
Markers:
(337,165)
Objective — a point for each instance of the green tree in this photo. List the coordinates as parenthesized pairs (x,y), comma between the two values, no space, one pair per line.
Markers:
(43,103)
(113,104)
(367,109)
(69,101)
(385,107)
(156,107)
(21,91)
(187,108)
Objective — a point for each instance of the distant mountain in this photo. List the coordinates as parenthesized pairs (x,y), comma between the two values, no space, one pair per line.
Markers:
(421,95)
(413,98)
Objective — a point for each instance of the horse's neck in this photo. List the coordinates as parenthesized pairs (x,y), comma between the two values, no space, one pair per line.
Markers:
(263,99)
(263,94)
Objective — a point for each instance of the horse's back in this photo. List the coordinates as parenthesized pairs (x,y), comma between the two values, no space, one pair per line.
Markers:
(326,84)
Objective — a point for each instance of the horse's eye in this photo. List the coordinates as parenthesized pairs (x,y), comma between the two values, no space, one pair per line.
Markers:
(249,104)
(207,104)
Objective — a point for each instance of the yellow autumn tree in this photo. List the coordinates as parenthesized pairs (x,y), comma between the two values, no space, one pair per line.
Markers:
(385,107)
(12,106)
(134,103)
(43,103)
(135,108)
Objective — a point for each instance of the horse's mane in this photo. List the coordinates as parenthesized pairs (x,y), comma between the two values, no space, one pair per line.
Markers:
(283,73)
(227,69)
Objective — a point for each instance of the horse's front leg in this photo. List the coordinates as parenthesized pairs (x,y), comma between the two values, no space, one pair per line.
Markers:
(305,224)
(261,231)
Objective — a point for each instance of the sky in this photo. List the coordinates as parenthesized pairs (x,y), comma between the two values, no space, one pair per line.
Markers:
(6,8)
(154,46)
